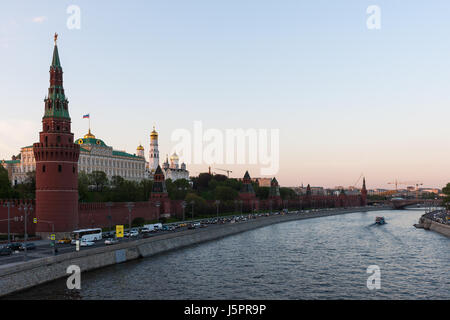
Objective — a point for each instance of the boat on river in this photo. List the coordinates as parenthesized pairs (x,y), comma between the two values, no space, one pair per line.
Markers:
(380,220)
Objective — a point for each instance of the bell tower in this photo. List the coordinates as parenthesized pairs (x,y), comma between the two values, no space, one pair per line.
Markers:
(56,160)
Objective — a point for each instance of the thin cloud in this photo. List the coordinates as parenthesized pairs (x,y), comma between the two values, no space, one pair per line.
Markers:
(39,19)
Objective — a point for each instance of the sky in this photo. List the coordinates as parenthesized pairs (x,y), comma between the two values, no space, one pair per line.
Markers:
(347,100)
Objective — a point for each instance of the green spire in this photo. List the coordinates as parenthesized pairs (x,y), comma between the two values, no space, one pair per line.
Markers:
(55,61)
(56,104)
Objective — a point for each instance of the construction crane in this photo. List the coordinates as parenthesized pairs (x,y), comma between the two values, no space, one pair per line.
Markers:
(354,185)
(227,171)
(415,183)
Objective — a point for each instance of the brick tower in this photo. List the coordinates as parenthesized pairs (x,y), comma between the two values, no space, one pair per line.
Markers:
(56,160)
(247,194)
(159,194)
(364,193)
(274,193)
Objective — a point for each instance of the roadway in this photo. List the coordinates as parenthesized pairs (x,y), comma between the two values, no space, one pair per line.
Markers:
(44,249)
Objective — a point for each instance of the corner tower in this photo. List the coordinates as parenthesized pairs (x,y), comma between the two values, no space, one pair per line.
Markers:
(56,160)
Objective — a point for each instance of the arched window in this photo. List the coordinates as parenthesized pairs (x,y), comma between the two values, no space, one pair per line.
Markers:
(59,168)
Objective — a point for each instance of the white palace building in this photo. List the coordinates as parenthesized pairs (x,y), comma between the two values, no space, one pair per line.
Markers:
(95,155)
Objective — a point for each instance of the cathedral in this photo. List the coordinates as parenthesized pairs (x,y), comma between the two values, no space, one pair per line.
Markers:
(171,170)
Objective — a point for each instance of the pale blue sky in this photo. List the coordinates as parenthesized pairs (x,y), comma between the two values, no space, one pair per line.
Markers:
(346,99)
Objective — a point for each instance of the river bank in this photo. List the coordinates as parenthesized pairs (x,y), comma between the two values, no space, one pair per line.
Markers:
(32,273)
(428,224)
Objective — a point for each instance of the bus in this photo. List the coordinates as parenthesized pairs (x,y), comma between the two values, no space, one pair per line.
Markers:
(86,235)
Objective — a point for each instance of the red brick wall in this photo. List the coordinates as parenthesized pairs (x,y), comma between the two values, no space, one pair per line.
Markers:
(96,214)
(17,227)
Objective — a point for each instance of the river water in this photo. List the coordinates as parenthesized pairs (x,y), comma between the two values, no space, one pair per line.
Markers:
(322,258)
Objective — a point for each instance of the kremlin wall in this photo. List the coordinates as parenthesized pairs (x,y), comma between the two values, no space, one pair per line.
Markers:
(56,161)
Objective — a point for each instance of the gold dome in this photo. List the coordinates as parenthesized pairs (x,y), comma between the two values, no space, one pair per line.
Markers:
(154,133)
(140,148)
(89,135)
(174,156)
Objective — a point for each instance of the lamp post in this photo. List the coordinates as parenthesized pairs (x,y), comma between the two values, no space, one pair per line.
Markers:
(130,206)
(109,205)
(183,205)
(217,204)
(241,202)
(157,205)
(9,205)
(53,232)
(270,205)
(192,203)
(25,207)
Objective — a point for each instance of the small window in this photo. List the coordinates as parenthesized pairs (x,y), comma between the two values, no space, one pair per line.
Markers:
(43,168)
(58,139)
(73,170)
(59,168)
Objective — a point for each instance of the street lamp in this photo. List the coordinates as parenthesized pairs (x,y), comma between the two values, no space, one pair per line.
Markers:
(192,203)
(53,232)
(270,205)
(9,205)
(217,204)
(109,205)
(183,205)
(26,208)
(130,206)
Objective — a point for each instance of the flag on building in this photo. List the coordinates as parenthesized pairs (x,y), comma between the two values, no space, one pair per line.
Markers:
(86,116)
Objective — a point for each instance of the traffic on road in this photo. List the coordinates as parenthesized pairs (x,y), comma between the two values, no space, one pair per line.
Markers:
(92,238)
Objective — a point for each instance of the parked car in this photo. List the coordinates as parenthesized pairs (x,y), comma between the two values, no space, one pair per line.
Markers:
(14,246)
(111,241)
(145,230)
(28,245)
(146,235)
(5,251)
(134,233)
(85,243)
(64,241)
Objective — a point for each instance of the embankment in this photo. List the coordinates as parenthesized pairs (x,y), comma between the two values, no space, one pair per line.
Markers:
(35,272)
(429,224)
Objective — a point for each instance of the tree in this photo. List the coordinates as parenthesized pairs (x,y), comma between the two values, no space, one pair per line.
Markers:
(6,190)
(202,182)
(225,193)
(199,203)
(83,187)
(27,189)
(99,179)
(287,193)
(446,191)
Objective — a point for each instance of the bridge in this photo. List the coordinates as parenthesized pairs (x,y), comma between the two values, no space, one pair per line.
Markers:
(399,204)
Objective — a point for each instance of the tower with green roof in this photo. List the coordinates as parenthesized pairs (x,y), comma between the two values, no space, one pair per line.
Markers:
(56,157)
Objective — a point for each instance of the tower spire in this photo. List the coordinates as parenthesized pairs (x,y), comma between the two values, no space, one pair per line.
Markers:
(55,61)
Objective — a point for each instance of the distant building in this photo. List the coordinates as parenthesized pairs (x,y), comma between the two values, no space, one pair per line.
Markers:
(173,170)
(262,182)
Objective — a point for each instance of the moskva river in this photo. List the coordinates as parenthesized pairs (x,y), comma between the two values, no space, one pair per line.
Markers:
(323,258)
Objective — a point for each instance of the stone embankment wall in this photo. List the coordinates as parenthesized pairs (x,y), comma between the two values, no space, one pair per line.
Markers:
(443,229)
(35,272)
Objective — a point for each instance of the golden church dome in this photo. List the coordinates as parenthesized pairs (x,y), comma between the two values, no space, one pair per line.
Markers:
(154,134)
(89,135)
